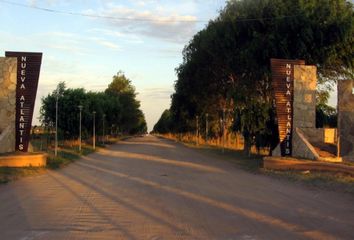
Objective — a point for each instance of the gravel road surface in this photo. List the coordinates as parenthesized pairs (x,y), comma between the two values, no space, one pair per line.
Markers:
(154,189)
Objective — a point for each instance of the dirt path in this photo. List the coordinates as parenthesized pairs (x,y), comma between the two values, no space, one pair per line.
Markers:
(148,188)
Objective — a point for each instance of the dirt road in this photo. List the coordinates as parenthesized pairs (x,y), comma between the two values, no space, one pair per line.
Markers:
(148,188)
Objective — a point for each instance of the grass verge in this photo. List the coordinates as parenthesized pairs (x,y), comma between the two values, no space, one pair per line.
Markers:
(65,156)
(314,179)
(250,163)
(8,174)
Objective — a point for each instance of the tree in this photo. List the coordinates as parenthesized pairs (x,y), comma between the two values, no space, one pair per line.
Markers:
(163,125)
(120,85)
(130,116)
(117,107)
(326,116)
(227,64)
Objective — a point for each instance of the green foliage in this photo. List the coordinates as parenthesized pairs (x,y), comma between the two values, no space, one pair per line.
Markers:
(326,116)
(66,155)
(120,84)
(116,108)
(227,64)
(164,123)
(132,119)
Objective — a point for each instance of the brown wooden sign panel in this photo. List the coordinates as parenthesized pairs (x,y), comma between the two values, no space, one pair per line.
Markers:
(283,89)
(28,68)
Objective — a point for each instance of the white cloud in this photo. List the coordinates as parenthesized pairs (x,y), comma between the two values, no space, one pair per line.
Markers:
(161,23)
(74,43)
(32,2)
(156,93)
(63,41)
(109,45)
(68,48)
(61,34)
(131,38)
(51,3)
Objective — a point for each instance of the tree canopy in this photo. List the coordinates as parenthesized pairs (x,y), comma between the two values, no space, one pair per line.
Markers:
(116,107)
(163,125)
(226,66)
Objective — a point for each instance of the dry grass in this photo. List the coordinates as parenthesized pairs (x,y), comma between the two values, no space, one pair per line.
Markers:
(8,174)
(68,152)
(315,179)
(321,180)
(233,141)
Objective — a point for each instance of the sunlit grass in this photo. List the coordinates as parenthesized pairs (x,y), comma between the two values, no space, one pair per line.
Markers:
(251,163)
(323,180)
(68,152)
(66,155)
(254,163)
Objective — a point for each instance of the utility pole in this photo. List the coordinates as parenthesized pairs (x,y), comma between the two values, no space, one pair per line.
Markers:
(197,118)
(223,130)
(80,107)
(104,115)
(206,128)
(94,130)
(56,123)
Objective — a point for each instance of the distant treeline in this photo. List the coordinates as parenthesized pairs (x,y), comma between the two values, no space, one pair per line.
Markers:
(225,73)
(116,108)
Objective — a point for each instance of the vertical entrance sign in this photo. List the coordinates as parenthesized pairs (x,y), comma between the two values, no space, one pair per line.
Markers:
(28,68)
(283,88)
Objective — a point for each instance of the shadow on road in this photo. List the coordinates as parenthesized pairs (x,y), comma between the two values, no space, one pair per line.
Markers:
(251,215)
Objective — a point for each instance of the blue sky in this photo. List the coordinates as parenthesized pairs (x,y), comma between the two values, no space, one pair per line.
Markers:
(87,51)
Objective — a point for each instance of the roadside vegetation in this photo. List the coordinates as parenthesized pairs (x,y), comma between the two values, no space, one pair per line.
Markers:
(253,163)
(8,174)
(223,94)
(323,180)
(66,154)
(116,110)
(117,115)
(224,79)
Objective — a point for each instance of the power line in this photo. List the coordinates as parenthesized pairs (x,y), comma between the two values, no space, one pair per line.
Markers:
(95,15)
(132,19)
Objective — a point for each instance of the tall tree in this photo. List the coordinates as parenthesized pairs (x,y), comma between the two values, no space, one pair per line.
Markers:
(163,125)
(226,65)
(130,116)
(117,107)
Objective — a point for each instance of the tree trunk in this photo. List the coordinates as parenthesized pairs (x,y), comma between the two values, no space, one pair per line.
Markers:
(248,144)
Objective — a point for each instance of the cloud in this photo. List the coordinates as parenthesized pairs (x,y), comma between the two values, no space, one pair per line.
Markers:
(68,48)
(36,3)
(109,45)
(156,93)
(131,38)
(75,43)
(32,2)
(64,41)
(161,23)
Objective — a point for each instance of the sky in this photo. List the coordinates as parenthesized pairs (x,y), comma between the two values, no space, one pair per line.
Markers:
(142,38)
